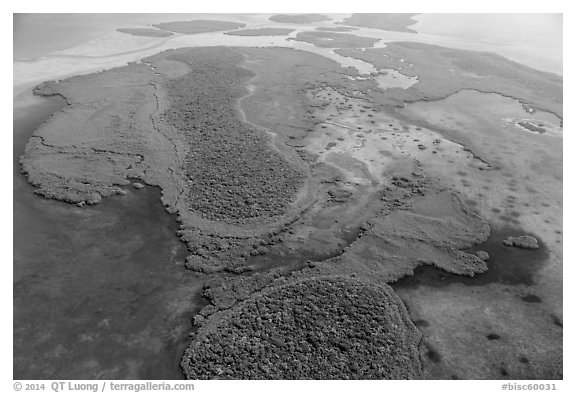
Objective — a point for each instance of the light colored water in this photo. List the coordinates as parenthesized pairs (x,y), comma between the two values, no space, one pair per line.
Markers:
(531,39)
(104,49)
(41,34)
(525,165)
(520,193)
(393,78)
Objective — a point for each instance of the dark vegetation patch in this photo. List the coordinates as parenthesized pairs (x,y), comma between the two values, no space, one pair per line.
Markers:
(327,328)
(198,26)
(335,40)
(299,18)
(557,321)
(471,203)
(234,173)
(421,323)
(536,128)
(146,32)
(391,22)
(531,298)
(265,31)
(432,354)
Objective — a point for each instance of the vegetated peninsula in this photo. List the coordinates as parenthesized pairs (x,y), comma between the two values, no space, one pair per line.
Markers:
(443,71)
(199,26)
(299,18)
(277,164)
(335,40)
(392,22)
(265,31)
(145,32)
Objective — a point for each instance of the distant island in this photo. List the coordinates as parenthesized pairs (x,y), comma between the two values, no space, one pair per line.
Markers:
(391,22)
(198,26)
(146,32)
(265,31)
(299,18)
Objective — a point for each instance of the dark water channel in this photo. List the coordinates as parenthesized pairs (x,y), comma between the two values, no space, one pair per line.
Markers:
(99,292)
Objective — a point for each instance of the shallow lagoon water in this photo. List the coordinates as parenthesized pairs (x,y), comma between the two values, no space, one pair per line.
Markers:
(525,167)
(520,192)
(393,78)
(531,39)
(99,292)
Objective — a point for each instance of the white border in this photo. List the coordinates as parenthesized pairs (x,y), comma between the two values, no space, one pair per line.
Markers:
(548,6)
